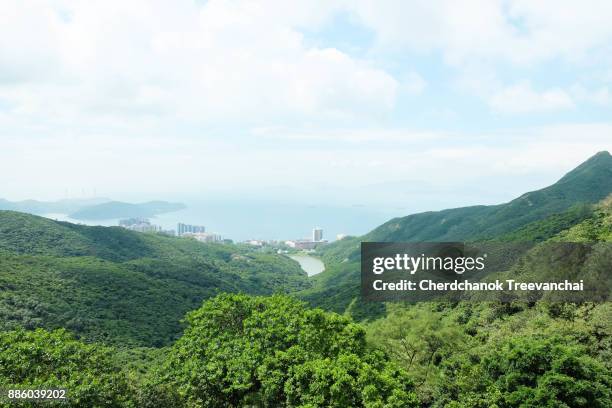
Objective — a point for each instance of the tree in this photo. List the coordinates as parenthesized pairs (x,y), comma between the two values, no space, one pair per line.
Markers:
(528,371)
(272,351)
(49,360)
(419,338)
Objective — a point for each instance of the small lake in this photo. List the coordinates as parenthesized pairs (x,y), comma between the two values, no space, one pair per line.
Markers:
(309,264)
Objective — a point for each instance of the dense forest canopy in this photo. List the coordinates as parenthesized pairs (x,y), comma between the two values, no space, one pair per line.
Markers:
(118,286)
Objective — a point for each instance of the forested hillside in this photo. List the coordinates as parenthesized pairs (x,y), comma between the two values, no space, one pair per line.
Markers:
(517,354)
(588,183)
(532,217)
(118,286)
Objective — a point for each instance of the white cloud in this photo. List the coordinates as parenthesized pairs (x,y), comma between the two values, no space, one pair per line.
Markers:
(365,136)
(516,31)
(599,96)
(138,63)
(207,63)
(413,83)
(485,40)
(522,98)
(158,96)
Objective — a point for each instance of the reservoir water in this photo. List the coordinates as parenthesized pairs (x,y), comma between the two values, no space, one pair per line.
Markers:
(309,264)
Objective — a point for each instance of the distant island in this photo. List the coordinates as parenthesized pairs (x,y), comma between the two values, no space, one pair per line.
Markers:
(117,209)
(92,208)
(65,206)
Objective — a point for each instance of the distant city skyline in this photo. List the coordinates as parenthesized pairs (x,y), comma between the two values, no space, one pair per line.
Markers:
(369,103)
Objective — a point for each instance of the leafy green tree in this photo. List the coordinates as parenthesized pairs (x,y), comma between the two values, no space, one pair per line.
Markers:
(419,338)
(527,371)
(48,360)
(272,351)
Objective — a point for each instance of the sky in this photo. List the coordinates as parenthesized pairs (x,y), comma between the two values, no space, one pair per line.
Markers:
(427,104)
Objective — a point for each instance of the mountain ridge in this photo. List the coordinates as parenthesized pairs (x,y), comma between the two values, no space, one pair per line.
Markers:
(337,287)
(590,182)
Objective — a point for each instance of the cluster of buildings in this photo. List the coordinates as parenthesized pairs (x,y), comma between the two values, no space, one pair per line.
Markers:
(301,244)
(143,225)
(307,244)
(183,229)
(197,232)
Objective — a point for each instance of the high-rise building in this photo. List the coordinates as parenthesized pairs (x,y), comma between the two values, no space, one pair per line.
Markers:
(182,229)
(317,234)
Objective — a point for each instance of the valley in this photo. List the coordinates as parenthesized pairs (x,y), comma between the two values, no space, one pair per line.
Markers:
(156,320)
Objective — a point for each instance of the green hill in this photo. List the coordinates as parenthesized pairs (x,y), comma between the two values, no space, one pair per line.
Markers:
(117,209)
(337,287)
(588,183)
(438,341)
(119,286)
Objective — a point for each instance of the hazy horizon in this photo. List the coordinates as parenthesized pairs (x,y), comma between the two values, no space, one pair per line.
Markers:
(399,195)
(275,214)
